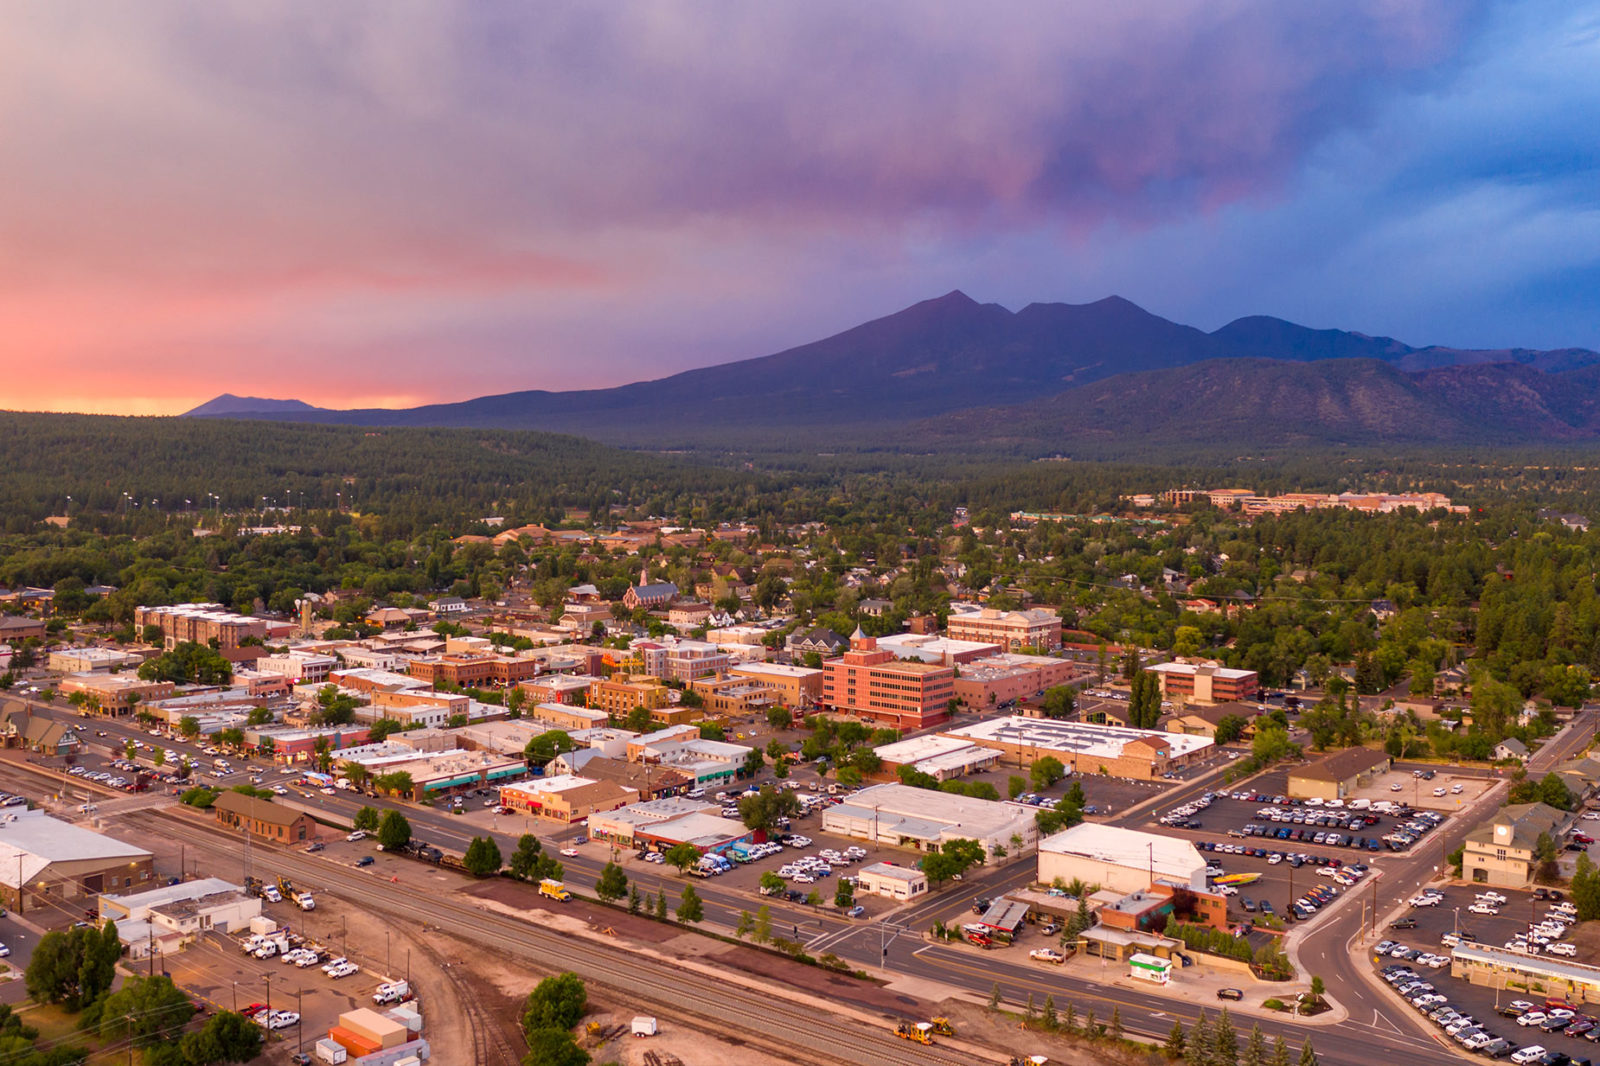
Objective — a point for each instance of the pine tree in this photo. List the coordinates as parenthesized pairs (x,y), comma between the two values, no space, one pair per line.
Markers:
(1280,1051)
(1255,1049)
(661,905)
(1069,1020)
(1175,1041)
(1226,1042)
(1050,1018)
(1090,1029)
(633,899)
(1032,1010)
(1308,1055)
(1116,1022)
(994,997)
(1200,1047)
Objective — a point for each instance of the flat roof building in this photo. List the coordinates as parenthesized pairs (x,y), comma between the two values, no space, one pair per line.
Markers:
(871,683)
(899,883)
(926,820)
(1122,860)
(1012,630)
(565,798)
(942,757)
(1082,747)
(1205,682)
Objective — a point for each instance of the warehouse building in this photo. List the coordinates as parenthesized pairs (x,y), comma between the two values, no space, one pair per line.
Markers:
(940,757)
(1122,860)
(925,820)
(1083,747)
(47,862)
(1338,775)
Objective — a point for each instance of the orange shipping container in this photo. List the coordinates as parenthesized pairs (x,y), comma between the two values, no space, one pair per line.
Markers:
(351,1042)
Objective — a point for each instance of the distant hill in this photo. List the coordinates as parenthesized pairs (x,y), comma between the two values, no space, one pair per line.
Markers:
(869,384)
(229,404)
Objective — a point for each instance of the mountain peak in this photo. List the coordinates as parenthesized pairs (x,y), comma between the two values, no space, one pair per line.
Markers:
(229,404)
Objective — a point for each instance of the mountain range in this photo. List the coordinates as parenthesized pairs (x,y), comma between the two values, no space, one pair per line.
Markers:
(954,373)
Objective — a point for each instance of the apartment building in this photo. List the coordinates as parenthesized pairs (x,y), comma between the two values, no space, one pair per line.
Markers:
(870,682)
(1012,630)
(620,693)
(1206,682)
(199,623)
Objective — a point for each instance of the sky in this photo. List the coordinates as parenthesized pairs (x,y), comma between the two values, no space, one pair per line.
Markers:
(389,203)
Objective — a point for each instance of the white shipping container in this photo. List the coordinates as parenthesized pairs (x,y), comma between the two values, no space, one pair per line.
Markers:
(330,1051)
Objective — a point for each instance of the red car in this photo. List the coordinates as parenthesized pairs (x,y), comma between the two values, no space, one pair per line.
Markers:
(253,1009)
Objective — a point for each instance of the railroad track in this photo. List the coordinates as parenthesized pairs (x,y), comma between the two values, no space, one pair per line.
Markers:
(791,1031)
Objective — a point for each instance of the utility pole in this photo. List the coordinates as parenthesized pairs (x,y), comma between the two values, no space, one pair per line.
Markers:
(299,1023)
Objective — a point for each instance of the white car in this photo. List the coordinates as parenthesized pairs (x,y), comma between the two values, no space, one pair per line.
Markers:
(1483,908)
(282,1019)
(359,834)
(1274,859)
(1528,1019)
(4,951)
(344,969)
(1491,897)
(1531,1053)
(1047,955)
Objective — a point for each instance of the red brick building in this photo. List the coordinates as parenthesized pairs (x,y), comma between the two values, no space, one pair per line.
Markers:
(873,684)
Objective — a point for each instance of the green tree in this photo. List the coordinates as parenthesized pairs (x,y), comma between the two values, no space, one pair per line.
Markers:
(661,905)
(547,745)
(1046,771)
(226,1037)
(1255,1048)
(1175,1040)
(1280,1051)
(554,1047)
(145,1011)
(189,726)
(1015,786)
(634,899)
(1308,1055)
(682,856)
(690,909)
(558,1002)
(482,857)
(764,810)
(74,967)
(843,894)
(1144,700)
(770,884)
(612,883)
(394,830)
(1060,701)
(763,928)
(1586,889)
(1225,1041)
(525,858)
(366,819)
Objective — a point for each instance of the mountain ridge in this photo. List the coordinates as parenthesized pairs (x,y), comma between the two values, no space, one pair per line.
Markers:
(953,354)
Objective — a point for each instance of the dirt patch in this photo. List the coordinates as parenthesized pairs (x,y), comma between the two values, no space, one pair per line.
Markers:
(673,1045)
(1000,1030)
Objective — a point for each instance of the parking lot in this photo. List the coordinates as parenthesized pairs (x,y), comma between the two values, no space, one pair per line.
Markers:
(1493,1013)
(1285,825)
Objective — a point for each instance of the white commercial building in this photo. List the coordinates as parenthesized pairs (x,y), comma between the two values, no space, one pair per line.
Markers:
(924,819)
(1122,860)
(942,757)
(897,882)
(299,666)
